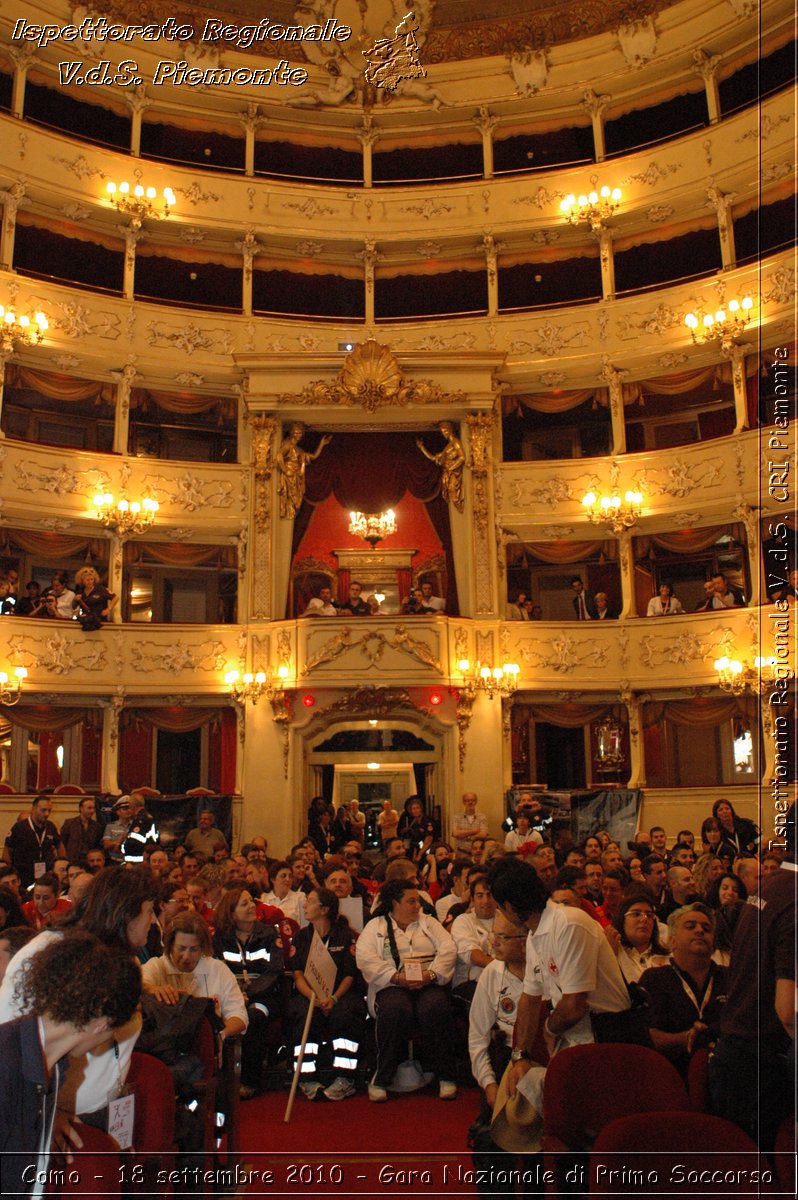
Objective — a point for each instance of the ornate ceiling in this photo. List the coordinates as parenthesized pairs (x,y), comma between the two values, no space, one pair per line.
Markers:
(451,30)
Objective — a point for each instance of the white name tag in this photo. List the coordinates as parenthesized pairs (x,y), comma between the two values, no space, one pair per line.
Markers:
(121,1113)
(413,971)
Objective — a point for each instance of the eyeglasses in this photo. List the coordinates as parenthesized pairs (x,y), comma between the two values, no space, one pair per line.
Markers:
(507,937)
(636,912)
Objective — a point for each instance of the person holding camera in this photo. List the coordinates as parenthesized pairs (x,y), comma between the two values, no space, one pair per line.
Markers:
(687,995)
(92,599)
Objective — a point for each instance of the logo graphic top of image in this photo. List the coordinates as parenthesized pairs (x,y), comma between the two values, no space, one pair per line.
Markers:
(390,60)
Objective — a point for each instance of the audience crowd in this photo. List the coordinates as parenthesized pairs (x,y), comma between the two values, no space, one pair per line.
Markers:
(497,951)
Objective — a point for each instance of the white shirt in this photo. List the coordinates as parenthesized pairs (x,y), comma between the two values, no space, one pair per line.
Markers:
(424,939)
(657,607)
(63,605)
(569,953)
(495,1002)
(470,932)
(210,978)
(320,608)
(102,1074)
(436,602)
(443,905)
(515,839)
(292,904)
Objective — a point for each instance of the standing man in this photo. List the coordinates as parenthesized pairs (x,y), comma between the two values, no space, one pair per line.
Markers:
(584,602)
(115,831)
(354,604)
(569,963)
(82,833)
(34,843)
(142,832)
(469,825)
(205,838)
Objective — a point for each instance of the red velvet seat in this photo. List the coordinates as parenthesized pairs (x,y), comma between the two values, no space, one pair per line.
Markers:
(153,1086)
(698,1081)
(655,1153)
(586,1087)
(96,1169)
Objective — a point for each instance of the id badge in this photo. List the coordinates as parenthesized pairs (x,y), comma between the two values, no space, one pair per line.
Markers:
(413,971)
(121,1114)
(39,869)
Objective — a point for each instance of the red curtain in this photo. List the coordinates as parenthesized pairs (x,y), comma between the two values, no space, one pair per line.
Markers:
(49,774)
(395,465)
(135,755)
(91,757)
(222,745)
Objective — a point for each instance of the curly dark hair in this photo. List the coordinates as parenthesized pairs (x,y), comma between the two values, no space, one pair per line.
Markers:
(77,978)
(631,900)
(9,904)
(224,920)
(390,893)
(192,924)
(113,899)
(713,893)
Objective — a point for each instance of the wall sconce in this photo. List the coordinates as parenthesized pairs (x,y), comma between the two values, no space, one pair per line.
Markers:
(372,527)
(611,510)
(724,326)
(737,677)
(139,201)
(21,331)
(596,207)
(125,516)
(500,681)
(11,687)
(252,687)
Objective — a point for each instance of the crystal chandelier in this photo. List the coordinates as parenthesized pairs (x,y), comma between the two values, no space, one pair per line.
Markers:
(372,527)
(596,207)
(138,201)
(500,681)
(724,326)
(614,511)
(20,331)
(252,686)
(125,516)
(11,688)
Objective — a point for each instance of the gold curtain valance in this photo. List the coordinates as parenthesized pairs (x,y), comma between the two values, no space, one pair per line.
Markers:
(688,541)
(555,402)
(59,387)
(173,719)
(45,717)
(701,712)
(183,402)
(572,552)
(568,716)
(54,546)
(177,555)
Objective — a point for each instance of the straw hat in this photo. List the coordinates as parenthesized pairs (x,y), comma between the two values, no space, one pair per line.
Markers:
(516,1124)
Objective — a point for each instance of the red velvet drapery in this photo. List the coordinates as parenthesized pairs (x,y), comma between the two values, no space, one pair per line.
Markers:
(369,472)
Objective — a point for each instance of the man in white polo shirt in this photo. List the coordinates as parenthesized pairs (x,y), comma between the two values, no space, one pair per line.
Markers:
(569,962)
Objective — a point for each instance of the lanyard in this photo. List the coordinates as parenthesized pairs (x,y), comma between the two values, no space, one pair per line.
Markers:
(688,991)
(39,840)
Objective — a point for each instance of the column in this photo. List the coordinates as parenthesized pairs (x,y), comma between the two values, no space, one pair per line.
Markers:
(115,580)
(614,380)
(250,124)
(368,136)
(11,202)
(482,771)
(607,263)
(706,65)
(262,527)
(722,205)
(736,356)
(249,247)
(627,573)
(132,235)
(750,518)
(124,382)
(110,742)
(72,741)
(595,105)
(18,759)
(23,57)
(3,360)
(490,248)
(138,103)
(637,773)
(486,123)
(370,257)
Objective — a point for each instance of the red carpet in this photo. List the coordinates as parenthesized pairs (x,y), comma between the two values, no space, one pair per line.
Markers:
(356,1147)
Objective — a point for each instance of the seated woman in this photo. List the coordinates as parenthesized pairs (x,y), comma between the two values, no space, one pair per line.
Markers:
(739,832)
(635,937)
(407,959)
(726,887)
(665,604)
(254,953)
(282,895)
(186,968)
(707,869)
(342,1019)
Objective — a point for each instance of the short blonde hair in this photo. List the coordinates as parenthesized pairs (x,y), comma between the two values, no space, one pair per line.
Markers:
(83,572)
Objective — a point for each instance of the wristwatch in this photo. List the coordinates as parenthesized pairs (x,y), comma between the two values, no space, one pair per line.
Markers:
(518,1055)
(433,976)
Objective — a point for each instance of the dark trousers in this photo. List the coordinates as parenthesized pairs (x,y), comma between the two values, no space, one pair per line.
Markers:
(750,1087)
(400,1011)
(346,1020)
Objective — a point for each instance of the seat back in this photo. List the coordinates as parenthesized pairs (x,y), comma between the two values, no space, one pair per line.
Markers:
(152,1084)
(586,1087)
(96,1170)
(699,1153)
(698,1080)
